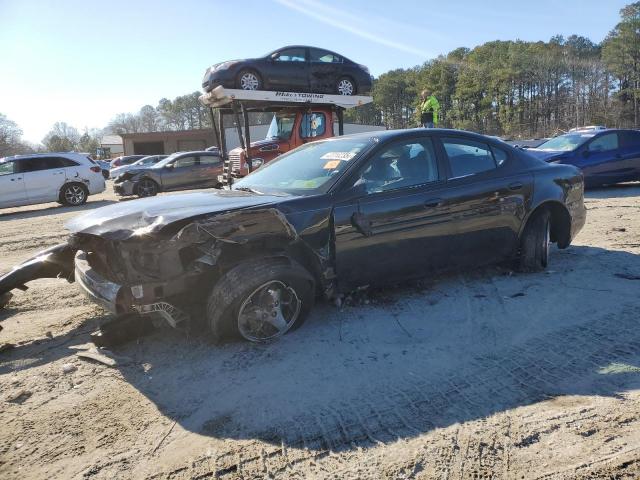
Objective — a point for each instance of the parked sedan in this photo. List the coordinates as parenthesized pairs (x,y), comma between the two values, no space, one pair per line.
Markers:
(605,156)
(294,68)
(67,178)
(143,162)
(323,219)
(125,160)
(180,171)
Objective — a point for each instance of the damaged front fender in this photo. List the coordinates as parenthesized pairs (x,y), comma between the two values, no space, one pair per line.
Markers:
(55,262)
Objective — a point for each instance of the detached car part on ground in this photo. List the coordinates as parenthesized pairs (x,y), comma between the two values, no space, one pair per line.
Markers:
(328,217)
(180,171)
(296,68)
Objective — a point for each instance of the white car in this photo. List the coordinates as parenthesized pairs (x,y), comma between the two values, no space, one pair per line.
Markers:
(67,178)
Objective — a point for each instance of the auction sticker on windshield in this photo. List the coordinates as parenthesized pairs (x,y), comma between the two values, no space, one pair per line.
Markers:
(331,164)
(346,156)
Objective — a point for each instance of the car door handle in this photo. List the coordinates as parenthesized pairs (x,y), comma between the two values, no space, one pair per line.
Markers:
(433,202)
(515,186)
(17,178)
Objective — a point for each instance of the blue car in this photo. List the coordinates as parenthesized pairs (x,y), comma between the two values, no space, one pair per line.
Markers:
(605,157)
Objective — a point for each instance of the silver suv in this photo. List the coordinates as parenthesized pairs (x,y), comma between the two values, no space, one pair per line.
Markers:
(67,178)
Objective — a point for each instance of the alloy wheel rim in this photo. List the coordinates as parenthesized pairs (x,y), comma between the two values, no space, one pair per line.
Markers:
(345,87)
(249,81)
(146,188)
(269,312)
(74,195)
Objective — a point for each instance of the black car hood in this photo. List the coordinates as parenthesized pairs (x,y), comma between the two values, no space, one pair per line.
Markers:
(149,215)
(546,155)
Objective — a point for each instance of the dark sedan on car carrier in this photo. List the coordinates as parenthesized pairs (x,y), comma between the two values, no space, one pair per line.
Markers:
(295,68)
(321,220)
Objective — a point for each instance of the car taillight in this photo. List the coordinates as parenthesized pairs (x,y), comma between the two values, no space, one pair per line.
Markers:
(96,169)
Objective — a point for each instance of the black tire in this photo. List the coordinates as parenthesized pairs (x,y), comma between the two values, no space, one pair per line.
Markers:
(346,86)
(238,285)
(73,194)
(249,80)
(147,188)
(535,243)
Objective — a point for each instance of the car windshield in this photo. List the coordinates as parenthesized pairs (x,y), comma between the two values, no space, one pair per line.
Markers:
(565,143)
(144,161)
(281,126)
(310,169)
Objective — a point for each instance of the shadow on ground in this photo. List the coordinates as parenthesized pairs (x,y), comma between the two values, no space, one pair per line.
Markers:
(54,209)
(621,190)
(408,361)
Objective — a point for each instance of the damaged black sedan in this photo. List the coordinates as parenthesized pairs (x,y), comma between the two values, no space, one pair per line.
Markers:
(324,219)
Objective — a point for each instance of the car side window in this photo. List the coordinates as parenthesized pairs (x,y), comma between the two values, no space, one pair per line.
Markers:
(6,168)
(604,143)
(38,163)
(210,160)
(313,125)
(291,55)
(468,157)
(323,56)
(402,164)
(185,162)
(629,139)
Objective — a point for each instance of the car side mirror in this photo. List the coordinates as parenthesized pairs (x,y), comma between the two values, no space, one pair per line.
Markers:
(169,166)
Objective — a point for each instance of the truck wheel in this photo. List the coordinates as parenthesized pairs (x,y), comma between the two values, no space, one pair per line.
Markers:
(535,243)
(260,300)
(346,86)
(73,194)
(249,80)
(147,188)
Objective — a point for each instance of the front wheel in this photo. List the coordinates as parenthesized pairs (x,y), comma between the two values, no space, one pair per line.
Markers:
(147,188)
(535,243)
(249,80)
(346,86)
(73,195)
(260,300)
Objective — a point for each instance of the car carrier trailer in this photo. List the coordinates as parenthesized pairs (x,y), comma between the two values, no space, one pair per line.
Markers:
(301,108)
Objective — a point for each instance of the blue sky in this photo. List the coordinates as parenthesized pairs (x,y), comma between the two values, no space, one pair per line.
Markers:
(85,61)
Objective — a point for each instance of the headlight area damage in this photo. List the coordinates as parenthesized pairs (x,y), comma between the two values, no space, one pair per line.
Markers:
(167,269)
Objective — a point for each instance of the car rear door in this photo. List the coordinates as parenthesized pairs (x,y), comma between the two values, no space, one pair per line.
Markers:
(287,70)
(325,69)
(488,193)
(629,152)
(210,166)
(12,190)
(43,178)
(392,222)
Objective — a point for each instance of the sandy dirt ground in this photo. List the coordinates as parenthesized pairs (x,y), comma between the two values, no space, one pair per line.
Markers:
(486,374)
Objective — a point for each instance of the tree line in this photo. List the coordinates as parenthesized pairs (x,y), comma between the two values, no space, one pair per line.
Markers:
(513,89)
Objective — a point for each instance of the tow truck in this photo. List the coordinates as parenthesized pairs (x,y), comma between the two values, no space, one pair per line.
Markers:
(298,118)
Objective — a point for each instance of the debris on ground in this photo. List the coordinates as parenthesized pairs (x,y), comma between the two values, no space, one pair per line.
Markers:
(121,330)
(68,368)
(102,356)
(4,299)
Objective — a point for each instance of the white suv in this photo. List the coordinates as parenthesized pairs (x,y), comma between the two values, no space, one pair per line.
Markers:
(67,178)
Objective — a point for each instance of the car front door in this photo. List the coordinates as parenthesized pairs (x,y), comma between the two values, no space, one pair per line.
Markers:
(324,70)
(488,194)
(391,219)
(12,191)
(43,178)
(287,70)
(181,173)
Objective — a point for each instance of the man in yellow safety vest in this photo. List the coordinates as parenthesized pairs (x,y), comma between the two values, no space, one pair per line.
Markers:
(429,108)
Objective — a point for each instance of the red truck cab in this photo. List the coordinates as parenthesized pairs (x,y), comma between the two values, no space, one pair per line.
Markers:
(290,128)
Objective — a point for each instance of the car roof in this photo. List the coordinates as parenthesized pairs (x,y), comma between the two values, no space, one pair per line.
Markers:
(384,135)
(47,154)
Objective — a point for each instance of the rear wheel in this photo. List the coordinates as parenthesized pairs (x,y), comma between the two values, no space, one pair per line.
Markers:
(73,194)
(346,86)
(249,80)
(535,243)
(147,188)
(260,300)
